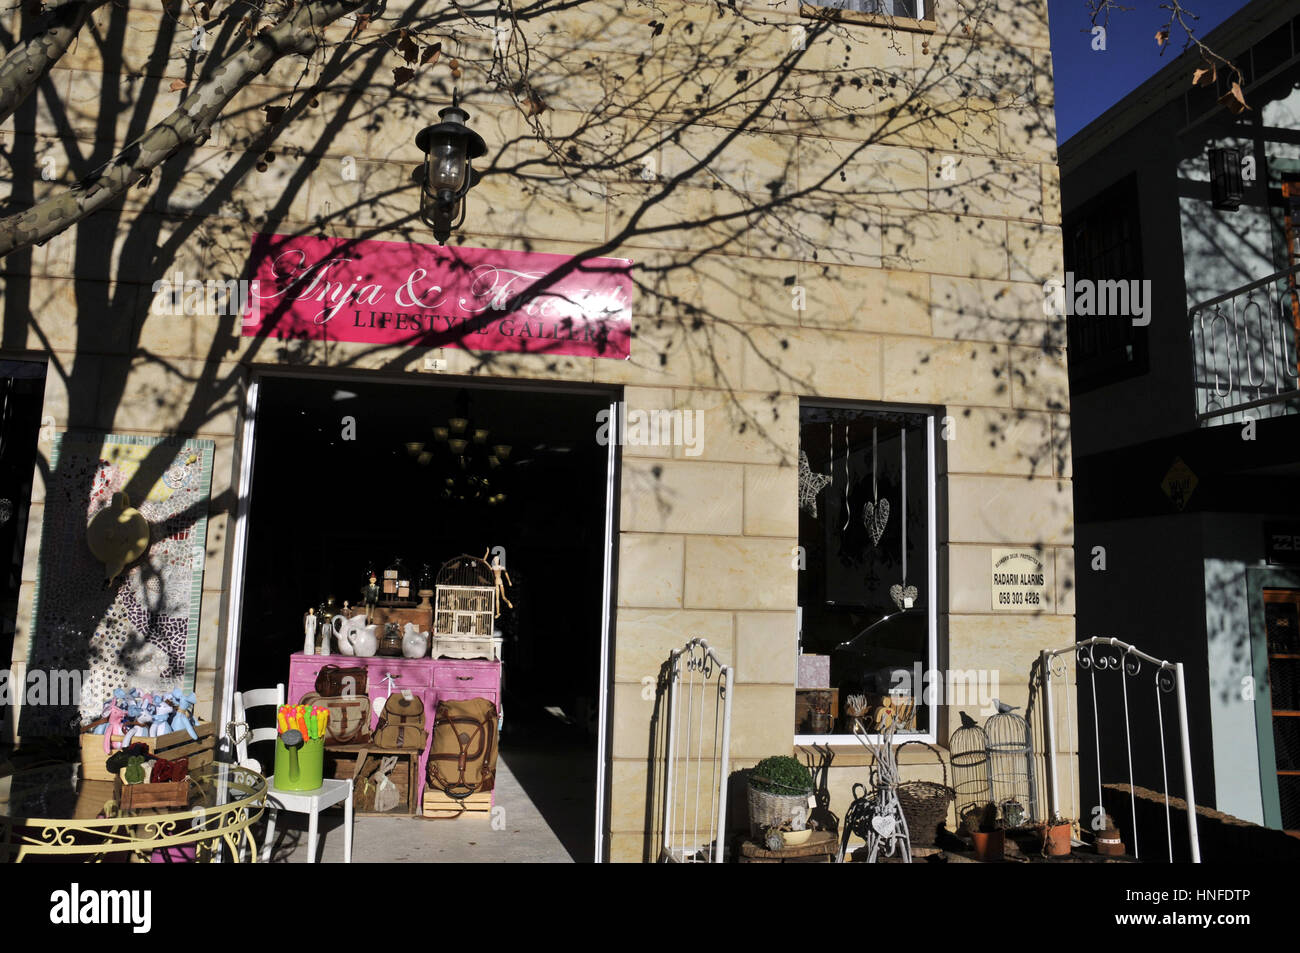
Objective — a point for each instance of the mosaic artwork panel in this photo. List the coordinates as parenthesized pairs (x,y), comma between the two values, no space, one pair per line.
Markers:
(142,628)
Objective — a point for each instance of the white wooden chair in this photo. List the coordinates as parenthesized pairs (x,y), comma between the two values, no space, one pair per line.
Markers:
(311,803)
(242,733)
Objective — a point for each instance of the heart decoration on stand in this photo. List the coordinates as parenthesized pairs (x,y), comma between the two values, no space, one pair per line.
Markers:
(884,825)
(904,596)
(875,514)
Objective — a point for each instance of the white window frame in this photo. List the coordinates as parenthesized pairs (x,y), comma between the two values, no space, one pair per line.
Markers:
(932,611)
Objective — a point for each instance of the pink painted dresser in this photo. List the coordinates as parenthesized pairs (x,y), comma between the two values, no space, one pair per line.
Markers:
(429,679)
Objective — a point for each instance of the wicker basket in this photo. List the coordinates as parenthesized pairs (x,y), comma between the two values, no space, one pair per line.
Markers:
(925,803)
(776,810)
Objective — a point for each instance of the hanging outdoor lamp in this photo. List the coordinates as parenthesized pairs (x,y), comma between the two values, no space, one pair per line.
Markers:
(450,148)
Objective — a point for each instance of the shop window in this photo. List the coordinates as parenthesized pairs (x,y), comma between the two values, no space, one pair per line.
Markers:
(1103,242)
(866,559)
(872,10)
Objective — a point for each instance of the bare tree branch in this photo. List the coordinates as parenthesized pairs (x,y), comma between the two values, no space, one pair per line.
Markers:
(26,64)
(187,124)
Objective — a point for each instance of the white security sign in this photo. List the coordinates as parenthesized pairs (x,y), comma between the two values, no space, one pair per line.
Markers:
(1019,581)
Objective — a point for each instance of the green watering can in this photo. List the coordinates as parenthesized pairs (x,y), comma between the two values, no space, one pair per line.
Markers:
(299,762)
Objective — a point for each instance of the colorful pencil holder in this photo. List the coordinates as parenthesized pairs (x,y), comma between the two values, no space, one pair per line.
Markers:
(300,769)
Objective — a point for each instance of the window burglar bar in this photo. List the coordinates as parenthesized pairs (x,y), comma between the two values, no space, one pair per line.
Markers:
(1051,671)
(696,762)
(1244,347)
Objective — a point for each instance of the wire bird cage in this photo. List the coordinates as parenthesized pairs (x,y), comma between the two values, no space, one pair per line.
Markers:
(465,598)
(1010,759)
(972,779)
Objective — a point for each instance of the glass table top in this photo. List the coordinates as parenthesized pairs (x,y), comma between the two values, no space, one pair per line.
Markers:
(55,792)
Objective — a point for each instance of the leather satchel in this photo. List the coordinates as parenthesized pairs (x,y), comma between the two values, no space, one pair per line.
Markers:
(401,723)
(349,718)
(463,750)
(334,681)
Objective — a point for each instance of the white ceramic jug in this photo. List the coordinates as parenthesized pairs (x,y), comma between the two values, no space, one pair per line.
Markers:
(415,644)
(364,639)
(345,633)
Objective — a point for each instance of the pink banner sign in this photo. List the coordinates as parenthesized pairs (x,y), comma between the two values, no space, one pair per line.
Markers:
(389,293)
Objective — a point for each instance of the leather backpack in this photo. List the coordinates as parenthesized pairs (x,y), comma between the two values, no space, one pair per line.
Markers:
(463,751)
(334,681)
(349,718)
(401,723)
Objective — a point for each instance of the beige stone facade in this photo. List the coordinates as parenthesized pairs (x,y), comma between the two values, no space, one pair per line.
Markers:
(921,266)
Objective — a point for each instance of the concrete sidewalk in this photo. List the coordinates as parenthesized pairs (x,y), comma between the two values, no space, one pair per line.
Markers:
(524,835)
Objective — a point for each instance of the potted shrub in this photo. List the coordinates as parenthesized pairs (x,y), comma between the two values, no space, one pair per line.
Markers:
(1056,837)
(779,788)
(987,835)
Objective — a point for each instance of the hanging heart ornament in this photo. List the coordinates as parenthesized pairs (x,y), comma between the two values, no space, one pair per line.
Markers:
(883,824)
(875,515)
(903,596)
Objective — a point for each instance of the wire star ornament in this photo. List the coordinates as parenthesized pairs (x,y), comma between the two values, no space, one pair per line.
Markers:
(810,484)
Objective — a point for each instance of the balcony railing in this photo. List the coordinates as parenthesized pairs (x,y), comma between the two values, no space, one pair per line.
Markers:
(1244,350)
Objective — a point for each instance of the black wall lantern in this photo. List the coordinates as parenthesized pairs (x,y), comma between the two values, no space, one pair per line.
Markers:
(450,148)
(1226,190)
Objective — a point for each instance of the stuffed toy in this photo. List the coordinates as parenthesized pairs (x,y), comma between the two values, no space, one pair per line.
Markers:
(143,722)
(120,759)
(161,720)
(184,718)
(134,773)
(164,770)
(114,726)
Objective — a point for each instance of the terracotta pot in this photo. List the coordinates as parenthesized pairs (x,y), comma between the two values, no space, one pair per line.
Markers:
(1056,840)
(988,845)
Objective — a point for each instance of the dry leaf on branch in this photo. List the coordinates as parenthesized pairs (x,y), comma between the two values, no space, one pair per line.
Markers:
(402,75)
(362,22)
(1204,76)
(430,54)
(1234,100)
(177,85)
(1162,37)
(406,46)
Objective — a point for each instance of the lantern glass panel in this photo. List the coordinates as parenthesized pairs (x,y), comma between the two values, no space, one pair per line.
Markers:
(446,163)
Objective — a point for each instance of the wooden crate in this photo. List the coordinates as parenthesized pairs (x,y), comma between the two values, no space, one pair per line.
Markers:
(405,775)
(134,797)
(442,806)
(421,616)
(177,744)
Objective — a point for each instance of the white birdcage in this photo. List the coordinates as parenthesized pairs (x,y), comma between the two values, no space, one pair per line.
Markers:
(1010,755)
(465,599)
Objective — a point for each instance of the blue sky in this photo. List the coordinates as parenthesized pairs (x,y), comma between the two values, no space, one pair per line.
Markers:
(1089,82)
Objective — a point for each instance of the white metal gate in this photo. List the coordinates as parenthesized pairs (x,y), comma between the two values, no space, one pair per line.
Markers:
(694,709)
(1050,682)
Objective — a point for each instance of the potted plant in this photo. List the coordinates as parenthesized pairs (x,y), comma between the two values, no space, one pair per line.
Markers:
(779,788)
(987,835)
(1056,836)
